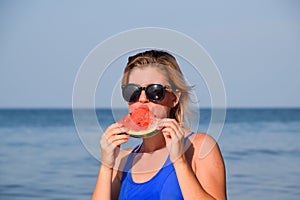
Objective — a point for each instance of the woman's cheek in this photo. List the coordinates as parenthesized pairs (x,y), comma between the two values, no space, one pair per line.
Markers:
(160,112)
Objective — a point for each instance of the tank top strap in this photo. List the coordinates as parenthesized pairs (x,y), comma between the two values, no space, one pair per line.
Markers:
(188,135)
(130,158)
(136,149)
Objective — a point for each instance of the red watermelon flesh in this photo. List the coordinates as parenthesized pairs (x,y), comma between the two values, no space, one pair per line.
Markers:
(140,122)
(141,117)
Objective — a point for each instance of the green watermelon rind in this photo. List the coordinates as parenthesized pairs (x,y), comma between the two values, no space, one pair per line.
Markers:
(144,133)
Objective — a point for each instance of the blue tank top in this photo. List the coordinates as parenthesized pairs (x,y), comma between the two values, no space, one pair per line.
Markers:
(163,185)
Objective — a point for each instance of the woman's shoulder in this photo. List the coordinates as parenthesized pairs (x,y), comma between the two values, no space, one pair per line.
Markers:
(202,144)
(198,138)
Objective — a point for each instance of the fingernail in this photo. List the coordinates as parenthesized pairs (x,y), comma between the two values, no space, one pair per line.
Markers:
(120,125)
(160,125)
(123,129)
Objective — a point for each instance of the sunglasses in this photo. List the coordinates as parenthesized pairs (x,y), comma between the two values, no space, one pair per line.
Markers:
(154,92)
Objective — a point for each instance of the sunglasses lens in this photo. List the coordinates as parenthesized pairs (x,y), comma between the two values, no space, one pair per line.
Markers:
(131,92)
(155,92)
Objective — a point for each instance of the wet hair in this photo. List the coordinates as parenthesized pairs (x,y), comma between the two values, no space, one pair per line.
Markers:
(168,64)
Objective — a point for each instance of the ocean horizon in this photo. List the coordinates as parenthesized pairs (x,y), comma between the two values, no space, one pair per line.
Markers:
(43,157)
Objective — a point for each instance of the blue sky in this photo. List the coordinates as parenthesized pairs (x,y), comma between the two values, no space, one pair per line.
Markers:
(255,45)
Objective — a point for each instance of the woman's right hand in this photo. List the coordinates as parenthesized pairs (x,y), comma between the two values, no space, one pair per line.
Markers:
(110,143)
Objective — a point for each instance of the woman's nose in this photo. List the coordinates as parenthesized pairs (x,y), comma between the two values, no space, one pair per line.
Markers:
(143,98)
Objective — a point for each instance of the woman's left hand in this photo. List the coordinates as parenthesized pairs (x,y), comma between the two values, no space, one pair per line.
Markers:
(174,136)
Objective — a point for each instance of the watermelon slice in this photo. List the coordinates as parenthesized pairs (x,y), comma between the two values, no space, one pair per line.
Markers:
(140,122)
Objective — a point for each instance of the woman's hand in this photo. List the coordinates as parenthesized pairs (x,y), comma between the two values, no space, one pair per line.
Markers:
(174,136)
(110,142)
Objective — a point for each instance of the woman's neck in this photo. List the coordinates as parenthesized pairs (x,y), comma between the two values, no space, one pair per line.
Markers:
(153,143)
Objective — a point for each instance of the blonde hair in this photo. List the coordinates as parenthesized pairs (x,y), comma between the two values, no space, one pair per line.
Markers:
(167,63)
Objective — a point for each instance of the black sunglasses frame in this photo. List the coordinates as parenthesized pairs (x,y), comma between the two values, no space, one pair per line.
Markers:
(135,93)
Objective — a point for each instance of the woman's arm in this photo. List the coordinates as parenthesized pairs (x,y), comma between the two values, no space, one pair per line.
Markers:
(206,179)
(103,185)
(108,181)
(199,177)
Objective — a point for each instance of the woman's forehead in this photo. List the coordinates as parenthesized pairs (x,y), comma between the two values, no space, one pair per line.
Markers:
(147,75)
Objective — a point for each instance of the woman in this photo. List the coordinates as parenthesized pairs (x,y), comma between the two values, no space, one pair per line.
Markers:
(168,164)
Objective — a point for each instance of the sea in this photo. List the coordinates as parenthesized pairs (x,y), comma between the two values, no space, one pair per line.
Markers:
(42,156)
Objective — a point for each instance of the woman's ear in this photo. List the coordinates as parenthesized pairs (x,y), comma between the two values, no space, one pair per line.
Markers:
(176,99)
